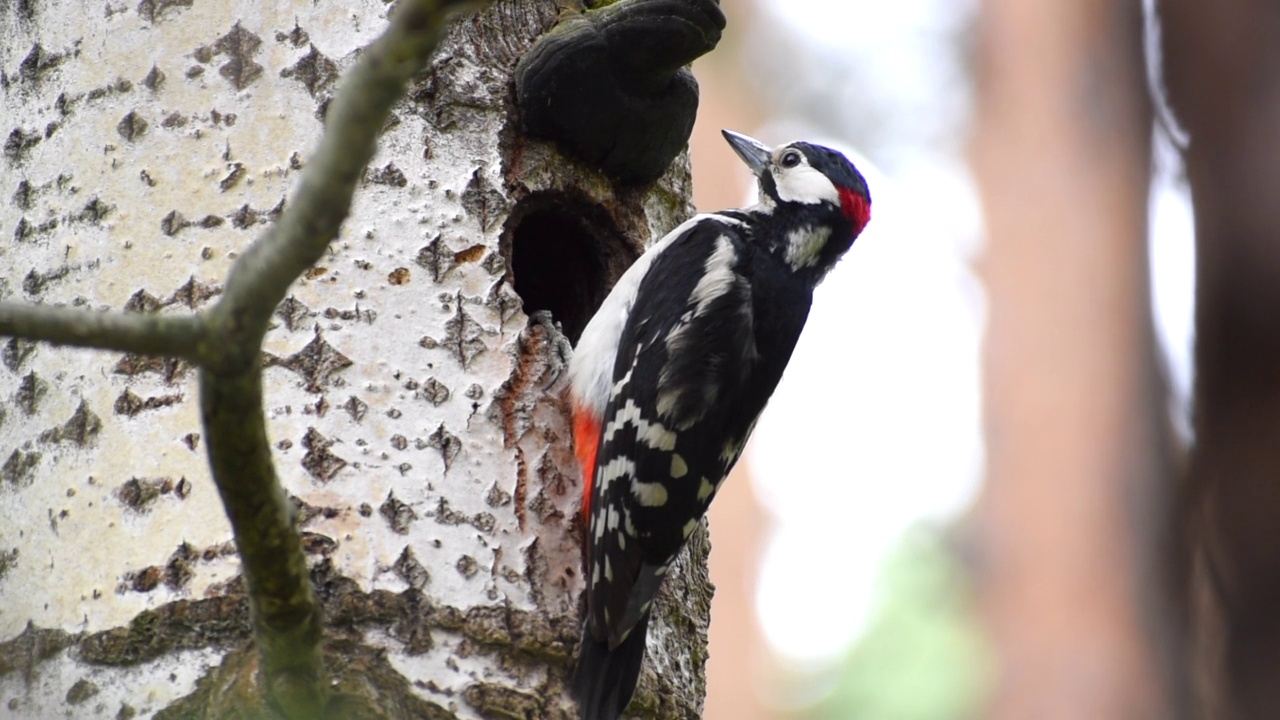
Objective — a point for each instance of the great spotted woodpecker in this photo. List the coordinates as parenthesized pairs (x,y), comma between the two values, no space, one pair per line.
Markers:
(670,375)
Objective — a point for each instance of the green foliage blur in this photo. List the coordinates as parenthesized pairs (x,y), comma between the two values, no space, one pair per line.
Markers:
(922,656)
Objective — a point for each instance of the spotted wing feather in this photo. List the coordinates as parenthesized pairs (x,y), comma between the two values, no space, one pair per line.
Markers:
(661,455)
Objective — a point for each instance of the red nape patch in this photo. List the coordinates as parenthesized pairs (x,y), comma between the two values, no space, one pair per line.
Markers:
(586,439)
(856,207)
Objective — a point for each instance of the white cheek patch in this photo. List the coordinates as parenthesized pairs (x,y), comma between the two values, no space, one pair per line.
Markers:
(803,184)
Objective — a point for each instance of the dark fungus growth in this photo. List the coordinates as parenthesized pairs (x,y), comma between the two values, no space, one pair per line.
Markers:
(610,86)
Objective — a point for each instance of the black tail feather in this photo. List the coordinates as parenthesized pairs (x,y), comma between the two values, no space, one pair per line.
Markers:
(605,680)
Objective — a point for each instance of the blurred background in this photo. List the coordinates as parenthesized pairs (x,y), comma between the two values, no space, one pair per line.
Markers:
(838,593)
(975,494)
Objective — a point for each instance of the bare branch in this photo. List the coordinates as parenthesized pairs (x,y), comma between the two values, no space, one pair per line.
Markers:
(287,625)
(147,334)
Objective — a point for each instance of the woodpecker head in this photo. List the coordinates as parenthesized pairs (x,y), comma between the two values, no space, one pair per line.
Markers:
(817,195)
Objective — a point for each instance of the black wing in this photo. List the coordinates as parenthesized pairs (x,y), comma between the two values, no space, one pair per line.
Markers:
(676,420)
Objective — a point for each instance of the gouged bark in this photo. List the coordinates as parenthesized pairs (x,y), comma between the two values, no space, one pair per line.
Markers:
(414,407)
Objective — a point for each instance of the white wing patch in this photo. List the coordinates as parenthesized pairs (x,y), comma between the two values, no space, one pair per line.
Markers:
(705,490)
(669,394)
(679,468)
(649,494)
(718,276)
(718,279)
(654,434)
(626,379)
(732,448)
(618,467)
(591,368)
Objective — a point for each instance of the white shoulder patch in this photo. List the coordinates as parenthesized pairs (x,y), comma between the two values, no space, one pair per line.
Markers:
(717,276)
(591,368)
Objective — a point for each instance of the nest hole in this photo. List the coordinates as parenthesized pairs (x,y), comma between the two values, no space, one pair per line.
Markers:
(565,253)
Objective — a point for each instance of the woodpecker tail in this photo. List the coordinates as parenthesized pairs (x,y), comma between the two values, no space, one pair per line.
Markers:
(605,680)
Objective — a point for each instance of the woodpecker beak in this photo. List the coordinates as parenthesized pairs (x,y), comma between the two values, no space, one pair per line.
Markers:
(755,154)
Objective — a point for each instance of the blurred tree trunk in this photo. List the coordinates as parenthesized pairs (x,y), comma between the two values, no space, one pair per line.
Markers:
(414,404)
(1072,512)
(1223,68)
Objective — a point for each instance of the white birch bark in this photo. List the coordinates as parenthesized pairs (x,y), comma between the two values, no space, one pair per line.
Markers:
(414,406)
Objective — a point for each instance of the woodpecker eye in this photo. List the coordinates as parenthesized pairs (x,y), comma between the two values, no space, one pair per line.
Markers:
(790,159)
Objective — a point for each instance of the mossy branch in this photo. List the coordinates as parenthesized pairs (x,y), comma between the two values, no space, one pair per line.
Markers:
(286,616)
(148,334)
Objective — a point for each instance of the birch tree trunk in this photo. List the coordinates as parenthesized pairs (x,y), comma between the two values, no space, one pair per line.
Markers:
(413,391)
